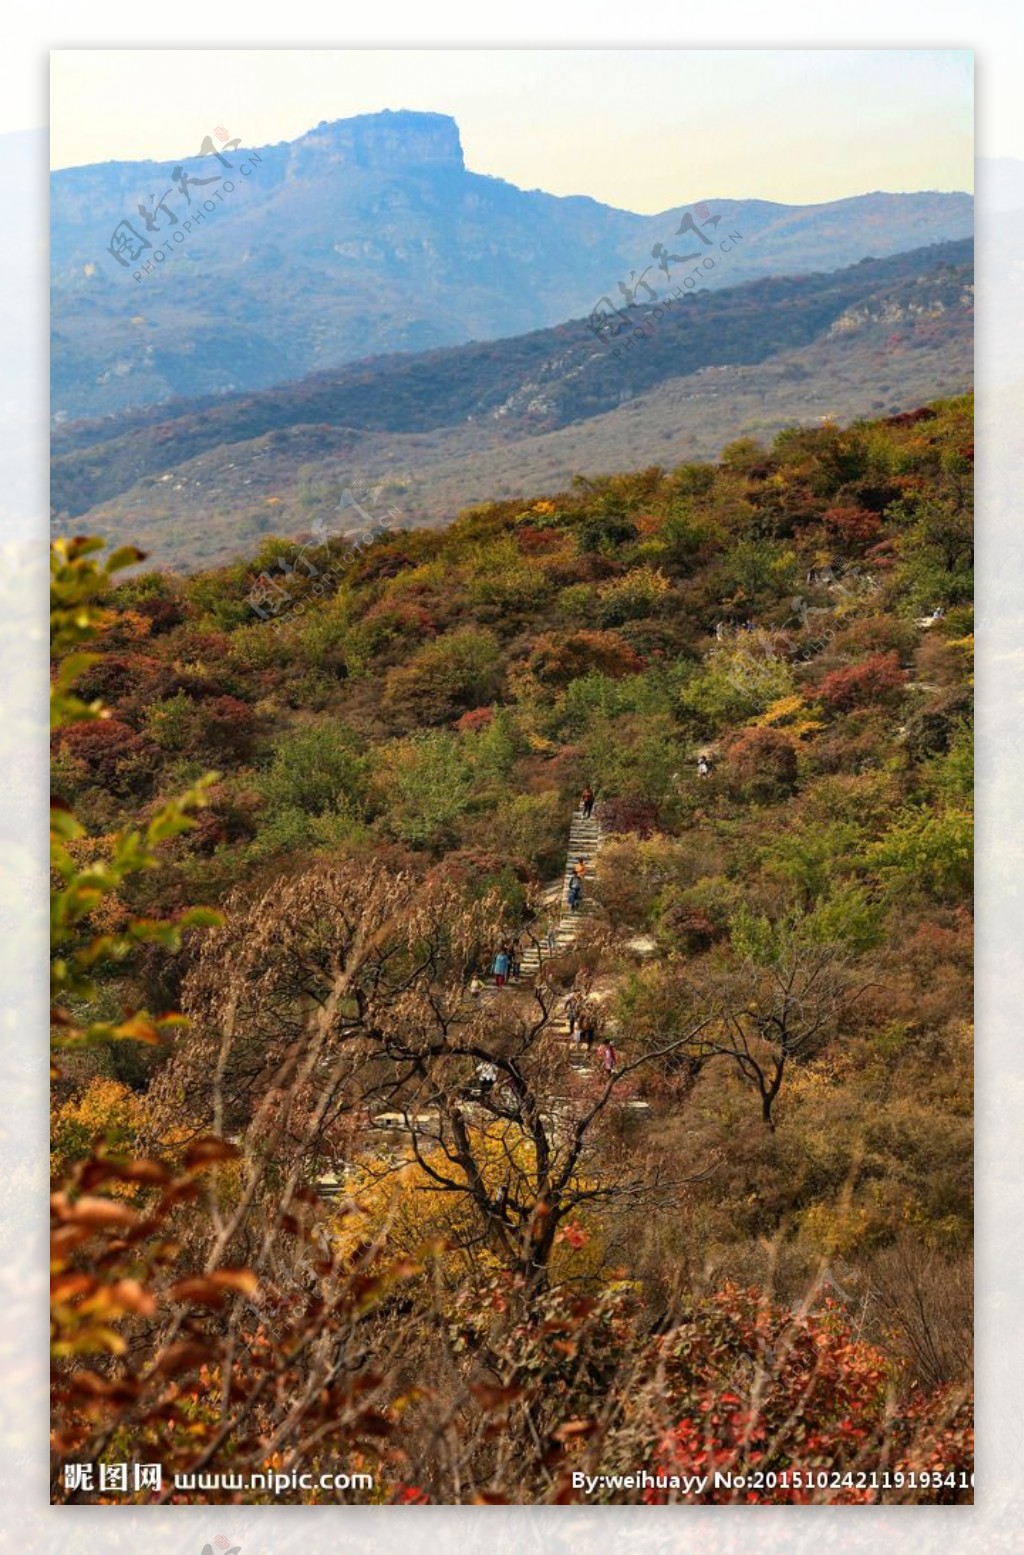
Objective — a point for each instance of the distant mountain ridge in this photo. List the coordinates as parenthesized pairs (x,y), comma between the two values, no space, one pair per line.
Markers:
(447,428)
(368,236)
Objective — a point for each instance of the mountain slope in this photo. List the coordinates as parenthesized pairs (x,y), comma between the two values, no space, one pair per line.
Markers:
(204,485)
(370,235)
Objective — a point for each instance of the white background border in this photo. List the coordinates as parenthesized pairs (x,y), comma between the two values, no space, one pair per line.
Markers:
(993,1524)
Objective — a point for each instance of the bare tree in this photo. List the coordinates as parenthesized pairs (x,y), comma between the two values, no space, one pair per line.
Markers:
(768,1016)
(339,1001)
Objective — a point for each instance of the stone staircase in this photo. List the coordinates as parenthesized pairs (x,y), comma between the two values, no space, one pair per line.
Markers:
(584,843)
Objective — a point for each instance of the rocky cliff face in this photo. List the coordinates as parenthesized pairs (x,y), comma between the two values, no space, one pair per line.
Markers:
(388,142)
(368,236)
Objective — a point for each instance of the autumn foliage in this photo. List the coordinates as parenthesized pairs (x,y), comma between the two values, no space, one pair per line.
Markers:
(877,680)
(324,1197)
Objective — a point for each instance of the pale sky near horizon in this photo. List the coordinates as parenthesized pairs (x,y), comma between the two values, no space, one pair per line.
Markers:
(640,129)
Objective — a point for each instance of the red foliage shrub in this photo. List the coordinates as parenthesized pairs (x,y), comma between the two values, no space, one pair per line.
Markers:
(639,816)
(229,726)
(874,634)
(853,744)
(821,1406)
(530,540)
(878,679)
(933,945)
(117,675)
(210,647)
(162,614)
(472,867)
(227,819)
(404,615)
(851,526)
(910,418)
(884,554)
(380,562)
(478,718)
(762,762)
(557,661)
(693,928)
(114,754)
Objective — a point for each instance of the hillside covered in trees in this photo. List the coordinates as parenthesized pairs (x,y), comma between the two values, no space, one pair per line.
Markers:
(360,1212)
(201,482)
(379,206)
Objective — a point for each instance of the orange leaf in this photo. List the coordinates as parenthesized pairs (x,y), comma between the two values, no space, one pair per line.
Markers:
(91,1210)
(203,1152)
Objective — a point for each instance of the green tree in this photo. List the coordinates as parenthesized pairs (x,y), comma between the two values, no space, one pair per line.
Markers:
(928,854)
(425,786)
(458,671)
(316,769)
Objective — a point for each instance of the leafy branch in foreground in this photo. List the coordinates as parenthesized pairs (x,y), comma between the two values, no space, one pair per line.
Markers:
(78,586)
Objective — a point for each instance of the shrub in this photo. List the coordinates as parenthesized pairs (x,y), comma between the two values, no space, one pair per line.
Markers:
(105,1110)
(531,541)
(445,677)
(636,757)
(762,763)
(871,635)
(170,722)
(733,685)
(754,568)
(749,1383)
(691,928)
(851,527)
(114,755)
(228,727)
(162,614)
(639,594)
(424,786)
(115,676)
(930,729)
(951,775)
(555,661)
(606,534)
(529,828)
(630,814)
(475,720)
(927,853)
(878,679)
(316,769)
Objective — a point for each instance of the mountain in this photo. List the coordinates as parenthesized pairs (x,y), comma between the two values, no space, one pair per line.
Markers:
(440,430)
(369,236)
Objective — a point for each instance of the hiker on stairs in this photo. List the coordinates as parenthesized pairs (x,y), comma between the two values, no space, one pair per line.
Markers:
(587,802)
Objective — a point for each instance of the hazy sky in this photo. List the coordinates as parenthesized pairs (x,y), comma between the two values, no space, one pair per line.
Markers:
(641,129)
